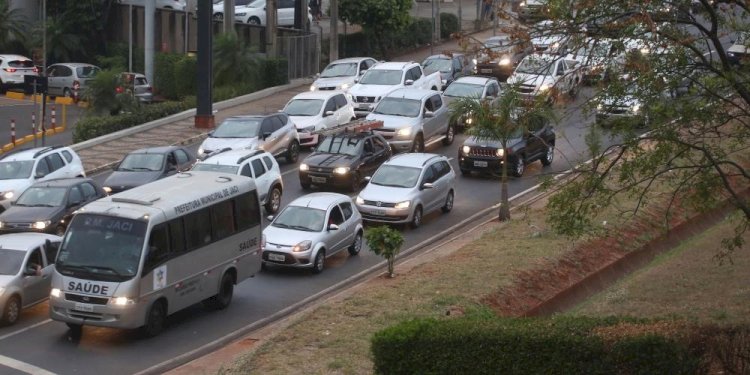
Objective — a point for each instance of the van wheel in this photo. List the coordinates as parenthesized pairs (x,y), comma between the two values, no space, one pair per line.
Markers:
(320,260)
(450,135)
(448,206)
(155,319)
(292,153)
(223,299)
(274,200)
(418,145)
(12,311)
(416,219)
(356,245)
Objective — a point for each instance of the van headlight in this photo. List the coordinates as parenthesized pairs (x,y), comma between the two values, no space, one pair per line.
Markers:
(122,301)
(41,224)
(54,292)
(302,246)
(359,200)
(303,167)
(404,132)
(466,150)
(402,205)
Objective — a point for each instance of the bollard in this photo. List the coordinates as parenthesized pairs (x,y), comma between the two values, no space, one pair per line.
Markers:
(33,123)
(13,131)
(53,117)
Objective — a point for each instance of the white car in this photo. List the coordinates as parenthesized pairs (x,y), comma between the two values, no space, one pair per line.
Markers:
(12,70)
(161,4)
(311,228)
(21,169)
(548,75)
(255,13)
(258,165)
(340,74)
(218,12)
(313,111)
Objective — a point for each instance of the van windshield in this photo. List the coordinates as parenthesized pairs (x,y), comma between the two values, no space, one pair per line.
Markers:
(10,261)
(99,247)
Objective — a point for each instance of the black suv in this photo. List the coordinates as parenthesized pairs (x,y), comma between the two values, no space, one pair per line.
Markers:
(47,206)
(450,65)
(538,143)
(344,159)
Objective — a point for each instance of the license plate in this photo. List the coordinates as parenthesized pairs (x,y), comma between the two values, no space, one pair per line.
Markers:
(486,70)
(364,106)
(276,257)
(318,180)
(480,163)
(85,307)
(378,212)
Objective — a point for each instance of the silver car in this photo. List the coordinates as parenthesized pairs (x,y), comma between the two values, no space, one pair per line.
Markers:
(69,79)
(137,85)
(26,266)
(407,187)
(311,228)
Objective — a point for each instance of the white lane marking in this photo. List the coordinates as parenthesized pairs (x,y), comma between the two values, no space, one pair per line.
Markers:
(289,171)
(23,366)
(22,330)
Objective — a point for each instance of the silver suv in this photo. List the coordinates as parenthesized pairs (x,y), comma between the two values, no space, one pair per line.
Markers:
(21,169)
(26,266)
(259,165)
(407,187)
(274,133)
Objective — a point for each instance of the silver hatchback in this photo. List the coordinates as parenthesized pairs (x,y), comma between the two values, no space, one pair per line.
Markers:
(26,265)
(69,79)
(407,187)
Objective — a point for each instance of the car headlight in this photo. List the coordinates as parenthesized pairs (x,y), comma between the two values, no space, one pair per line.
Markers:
(544,87)
(469,121)
(466,150)
(41,224)
(474,61)
(55,293)
(555,45)
(345,86)
(309,129)
(122,301)
(499,153)
(201,151)
(107,189)
(303,167)
(8,195)
(377,99)
(504,61)
(599,107)
(302,246)
(405,132)
(402,205)
(522,4)
(645,50)
(2,224)
(730,54)
(635,108)
(313,88)
(359,200)
(341,170)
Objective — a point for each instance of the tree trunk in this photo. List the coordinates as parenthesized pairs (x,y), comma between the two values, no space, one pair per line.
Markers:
(390,266)
(504,212)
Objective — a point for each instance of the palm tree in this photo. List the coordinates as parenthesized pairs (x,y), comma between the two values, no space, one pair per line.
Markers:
(12,24)
(234,61)
(62,45)
(501,120)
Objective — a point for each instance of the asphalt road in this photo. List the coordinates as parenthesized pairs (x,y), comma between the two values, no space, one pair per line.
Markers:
(21,111)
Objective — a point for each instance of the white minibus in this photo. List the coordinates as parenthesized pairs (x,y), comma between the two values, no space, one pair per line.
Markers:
(131,259)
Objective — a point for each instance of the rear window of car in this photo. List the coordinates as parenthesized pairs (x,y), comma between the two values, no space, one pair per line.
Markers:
(21,64)
(68,156)
(87,71)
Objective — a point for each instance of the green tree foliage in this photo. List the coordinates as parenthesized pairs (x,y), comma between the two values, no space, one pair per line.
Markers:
(693,98)
(386,242)
(62,45)
(103,96)
(11,25)
(378,18)
(234,61)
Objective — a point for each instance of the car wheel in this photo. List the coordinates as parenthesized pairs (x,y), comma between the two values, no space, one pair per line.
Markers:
(223,299)
(263,266)
(274,200)
(465,172)
(549,156)
(292,153)
(355,182)
(219,17)
(356,246)
(416,219)
(320,260)
(3,89)
(448,206)
(418,145)
(518,166)
(253,21)
(60,230)
(12,311)
(450,135)
(67,93)
(155,319)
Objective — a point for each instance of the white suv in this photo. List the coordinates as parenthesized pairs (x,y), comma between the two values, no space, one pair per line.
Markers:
(21,169)
(12,70)
(259,165)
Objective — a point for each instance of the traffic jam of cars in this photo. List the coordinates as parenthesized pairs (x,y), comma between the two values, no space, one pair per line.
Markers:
(368,125)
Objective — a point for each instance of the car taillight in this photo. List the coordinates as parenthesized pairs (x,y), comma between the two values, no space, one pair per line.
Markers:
(119,90)
(10,70)
(76,85)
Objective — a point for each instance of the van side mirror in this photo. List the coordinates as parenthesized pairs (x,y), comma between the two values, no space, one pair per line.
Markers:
(356,80)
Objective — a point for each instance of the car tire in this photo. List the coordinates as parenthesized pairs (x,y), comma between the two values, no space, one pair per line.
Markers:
(3,88)
(253,21)
(356,180)
(465,172)
(450,135)
(67,93)
(292,152)
(418,144)
(156,319)
(59,230)
(274,200)
(416,219)
(549,155)
(219,17)
(356,246)
(319,262)
(518,167)
(448,206)
(223,298)
(12,311)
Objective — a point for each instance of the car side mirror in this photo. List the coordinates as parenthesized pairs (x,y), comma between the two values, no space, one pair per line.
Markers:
(31,271)
(427,185)
(408,82)
(328,113)
(39,174)
(429,114)
(266,135)
(171,168)
(75,203)
(356,80)
(362,71)
(368,178)
(269,217)
(211,133)
(333,227)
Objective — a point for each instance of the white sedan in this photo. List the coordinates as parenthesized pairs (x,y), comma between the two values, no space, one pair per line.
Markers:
(317,110)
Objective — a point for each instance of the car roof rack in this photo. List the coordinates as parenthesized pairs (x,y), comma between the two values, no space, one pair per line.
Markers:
(44,150)
(356,126)
(14,151)
(134,201)
(250,155)
(217,152)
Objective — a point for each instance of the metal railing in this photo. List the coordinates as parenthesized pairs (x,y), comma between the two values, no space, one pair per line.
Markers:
(302,53)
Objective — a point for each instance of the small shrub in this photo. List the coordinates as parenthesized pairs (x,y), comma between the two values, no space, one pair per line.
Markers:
(385,242)
(94,126)
(448,25)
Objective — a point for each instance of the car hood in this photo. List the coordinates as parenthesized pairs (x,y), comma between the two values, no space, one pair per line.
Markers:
(322,159)
(371,90)
(131,179)
(334,81)
(529,79)
(6,280)
(288,237)
(474,142)
(497,54)
(18,186)
(738,48)
(23,214)
(373,192)
(214,144)
(393,122)
(302,122)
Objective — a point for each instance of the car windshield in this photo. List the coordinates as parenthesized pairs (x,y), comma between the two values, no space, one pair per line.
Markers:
(39,196)
(216,168)
(300,218)
(339,70)
(437,64)
(340,145)
(11,170)
(303,107)
(396,176)
(535,66)
(10,261)
(257,4)
(237,128)
(381,77)
(87,71)
(466,90)
(141,163)
(399,107)
(101,247)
